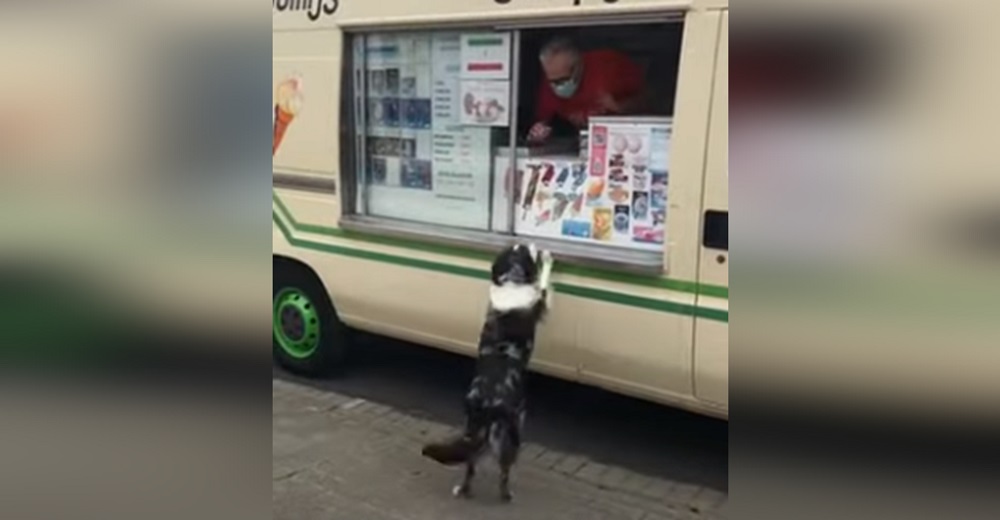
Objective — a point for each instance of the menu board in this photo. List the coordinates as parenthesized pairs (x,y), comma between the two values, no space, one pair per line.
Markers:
(460,168)
(423,164)
(617,196)
(446,52)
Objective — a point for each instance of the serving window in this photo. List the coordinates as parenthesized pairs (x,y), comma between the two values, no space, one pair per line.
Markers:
(446,139)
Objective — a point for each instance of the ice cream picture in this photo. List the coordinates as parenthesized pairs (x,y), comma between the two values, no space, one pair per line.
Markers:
(550,173)
(483,110)
(287,105)
(562,202)
(602,224)
(577,204)
(529,195)
(595,190)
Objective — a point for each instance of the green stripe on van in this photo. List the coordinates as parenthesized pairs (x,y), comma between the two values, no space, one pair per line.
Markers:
(585,272)
(481,274)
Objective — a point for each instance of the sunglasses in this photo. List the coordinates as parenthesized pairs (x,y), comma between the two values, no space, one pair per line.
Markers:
(565,79)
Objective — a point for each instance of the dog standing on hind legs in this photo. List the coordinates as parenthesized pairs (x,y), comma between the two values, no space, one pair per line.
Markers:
(520,296)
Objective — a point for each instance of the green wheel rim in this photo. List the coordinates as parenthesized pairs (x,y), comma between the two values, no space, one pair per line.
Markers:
(295,323)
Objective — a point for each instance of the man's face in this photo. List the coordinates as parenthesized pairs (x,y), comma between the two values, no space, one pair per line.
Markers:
(559,67)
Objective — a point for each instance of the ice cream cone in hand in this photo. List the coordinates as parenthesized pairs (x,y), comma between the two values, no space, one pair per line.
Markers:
(288,103)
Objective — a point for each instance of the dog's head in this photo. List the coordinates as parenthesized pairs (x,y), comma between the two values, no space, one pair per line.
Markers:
(518,264)
(515,276)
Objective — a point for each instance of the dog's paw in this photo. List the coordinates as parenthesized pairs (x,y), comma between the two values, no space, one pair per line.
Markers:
(461,491)
(547,260)
(506,496)
(546,273)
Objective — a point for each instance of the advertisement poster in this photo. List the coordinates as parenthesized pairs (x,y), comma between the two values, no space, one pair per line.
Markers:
(627,185)
(485,103)
(617,197)
(485,55)
(550,201)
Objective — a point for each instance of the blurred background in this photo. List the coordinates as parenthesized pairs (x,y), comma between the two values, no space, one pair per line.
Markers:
(134,259)
(865,362)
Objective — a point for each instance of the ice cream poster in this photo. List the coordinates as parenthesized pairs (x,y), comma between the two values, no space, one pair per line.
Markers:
(287,106)
(553,199)
(627,188)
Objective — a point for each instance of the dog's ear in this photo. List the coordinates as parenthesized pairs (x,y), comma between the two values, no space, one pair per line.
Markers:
(502,265)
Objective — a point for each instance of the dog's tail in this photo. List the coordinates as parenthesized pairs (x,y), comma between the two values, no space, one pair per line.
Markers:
(455,451)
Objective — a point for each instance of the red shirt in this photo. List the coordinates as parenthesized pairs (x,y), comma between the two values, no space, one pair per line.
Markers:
(604,71)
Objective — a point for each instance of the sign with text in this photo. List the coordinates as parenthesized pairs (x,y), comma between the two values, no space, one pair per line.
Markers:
(486,55)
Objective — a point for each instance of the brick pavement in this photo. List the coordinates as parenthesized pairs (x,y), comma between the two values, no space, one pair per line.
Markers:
(338,457)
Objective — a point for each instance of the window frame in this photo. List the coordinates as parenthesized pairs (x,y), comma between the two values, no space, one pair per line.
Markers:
(355,187)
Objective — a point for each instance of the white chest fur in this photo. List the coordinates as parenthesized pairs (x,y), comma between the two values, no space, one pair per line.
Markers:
(509,297)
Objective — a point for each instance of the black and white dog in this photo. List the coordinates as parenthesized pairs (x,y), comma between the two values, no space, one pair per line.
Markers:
(495,403)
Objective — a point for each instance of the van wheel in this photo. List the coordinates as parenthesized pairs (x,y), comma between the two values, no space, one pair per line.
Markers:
(308,337)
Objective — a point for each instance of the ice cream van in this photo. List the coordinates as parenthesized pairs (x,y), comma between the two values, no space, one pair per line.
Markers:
(407,152)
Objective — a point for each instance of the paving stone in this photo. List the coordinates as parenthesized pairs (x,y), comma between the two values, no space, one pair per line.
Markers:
(657,488)
(570,465)
(635,483)
(352,404)
(530,452)
(613,478)
(707,500)
(378,410)
(591,472)
(339,465)
(548,459)
(683,493)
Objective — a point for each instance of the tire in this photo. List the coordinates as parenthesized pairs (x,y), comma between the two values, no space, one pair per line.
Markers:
(308,337)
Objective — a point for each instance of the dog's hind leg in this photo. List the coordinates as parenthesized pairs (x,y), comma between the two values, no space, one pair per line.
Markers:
(505,493)
(464,489)
(510,444)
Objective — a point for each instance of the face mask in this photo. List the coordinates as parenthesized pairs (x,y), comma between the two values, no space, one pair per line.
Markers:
(566,88)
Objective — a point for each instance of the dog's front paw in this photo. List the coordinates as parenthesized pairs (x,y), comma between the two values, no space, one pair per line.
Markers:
(506,496)
(546,274)
(547,259)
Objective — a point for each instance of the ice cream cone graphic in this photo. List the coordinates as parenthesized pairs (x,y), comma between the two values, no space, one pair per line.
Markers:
(287,104)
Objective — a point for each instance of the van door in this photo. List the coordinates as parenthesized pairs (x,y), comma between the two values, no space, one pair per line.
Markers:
(711,359)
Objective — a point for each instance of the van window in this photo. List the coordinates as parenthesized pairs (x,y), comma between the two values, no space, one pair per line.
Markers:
(560,135)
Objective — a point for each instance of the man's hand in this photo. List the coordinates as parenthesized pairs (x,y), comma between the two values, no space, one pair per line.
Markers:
(539,132)
(579,119)
(607,104)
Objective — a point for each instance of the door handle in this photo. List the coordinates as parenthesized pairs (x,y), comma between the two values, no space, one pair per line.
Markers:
(715,234)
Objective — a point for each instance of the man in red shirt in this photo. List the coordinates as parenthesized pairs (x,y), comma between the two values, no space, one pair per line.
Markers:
(577,85)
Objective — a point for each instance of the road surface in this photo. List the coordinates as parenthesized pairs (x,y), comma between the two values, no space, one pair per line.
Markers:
(348,447)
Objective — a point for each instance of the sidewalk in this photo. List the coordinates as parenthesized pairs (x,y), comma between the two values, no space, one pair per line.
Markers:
(335,457)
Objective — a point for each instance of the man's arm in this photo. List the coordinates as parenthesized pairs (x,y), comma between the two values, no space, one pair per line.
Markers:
(545,103)
(636,104)
(632,95)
